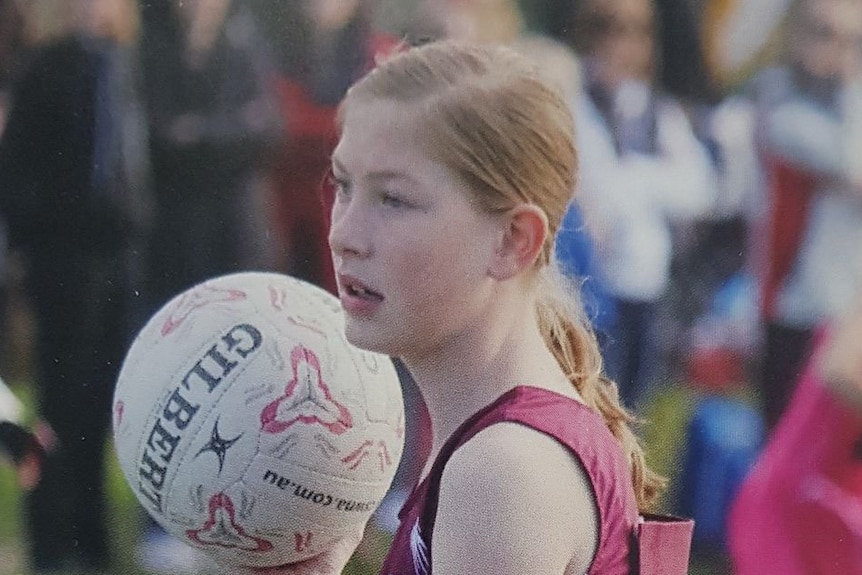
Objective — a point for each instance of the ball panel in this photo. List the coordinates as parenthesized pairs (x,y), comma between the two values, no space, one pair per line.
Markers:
(224,535)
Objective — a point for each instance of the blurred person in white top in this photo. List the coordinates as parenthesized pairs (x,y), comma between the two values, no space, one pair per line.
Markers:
(809,136)
(642,169)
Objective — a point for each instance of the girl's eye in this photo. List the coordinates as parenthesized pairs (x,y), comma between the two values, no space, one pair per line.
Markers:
(393,201)
(341,187)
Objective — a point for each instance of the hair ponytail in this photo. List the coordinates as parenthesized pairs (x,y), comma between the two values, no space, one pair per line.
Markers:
(570,338)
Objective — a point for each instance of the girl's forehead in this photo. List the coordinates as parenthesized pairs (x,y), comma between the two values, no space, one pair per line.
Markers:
(380,132)
(381,113)
(383,146)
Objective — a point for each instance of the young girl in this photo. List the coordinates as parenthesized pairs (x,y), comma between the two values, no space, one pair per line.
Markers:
(454,166)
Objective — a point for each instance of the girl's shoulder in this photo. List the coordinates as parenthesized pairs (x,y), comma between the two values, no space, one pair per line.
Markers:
(541,421)
(533,483)
(517,449)
(531,495)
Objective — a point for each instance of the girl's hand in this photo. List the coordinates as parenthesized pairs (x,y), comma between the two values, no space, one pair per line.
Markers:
(330,562)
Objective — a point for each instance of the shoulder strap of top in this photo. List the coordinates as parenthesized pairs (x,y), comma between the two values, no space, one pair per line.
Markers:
(664,545)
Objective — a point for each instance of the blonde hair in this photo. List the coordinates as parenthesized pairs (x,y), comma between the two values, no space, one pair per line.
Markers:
(486,113)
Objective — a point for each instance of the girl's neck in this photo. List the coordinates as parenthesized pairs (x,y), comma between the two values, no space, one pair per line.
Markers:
(474,371)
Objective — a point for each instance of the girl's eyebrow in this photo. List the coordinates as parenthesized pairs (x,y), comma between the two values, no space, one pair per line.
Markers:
(389,175)
(380,175)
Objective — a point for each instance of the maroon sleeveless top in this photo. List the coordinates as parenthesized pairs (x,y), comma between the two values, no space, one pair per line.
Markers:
(574,425)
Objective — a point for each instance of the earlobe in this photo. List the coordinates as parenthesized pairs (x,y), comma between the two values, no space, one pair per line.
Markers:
(525,229)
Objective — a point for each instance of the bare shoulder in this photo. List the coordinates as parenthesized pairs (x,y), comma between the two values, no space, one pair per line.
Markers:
(514,500)
(514,448)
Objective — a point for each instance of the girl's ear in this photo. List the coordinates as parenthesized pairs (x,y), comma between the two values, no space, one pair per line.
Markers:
(525,229)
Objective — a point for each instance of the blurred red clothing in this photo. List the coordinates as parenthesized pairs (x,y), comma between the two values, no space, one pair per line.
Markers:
(790,190)
(302,198)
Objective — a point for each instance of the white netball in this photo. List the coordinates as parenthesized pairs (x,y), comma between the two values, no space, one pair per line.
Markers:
(248,426)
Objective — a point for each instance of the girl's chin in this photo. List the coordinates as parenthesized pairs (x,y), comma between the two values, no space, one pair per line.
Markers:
(367,337)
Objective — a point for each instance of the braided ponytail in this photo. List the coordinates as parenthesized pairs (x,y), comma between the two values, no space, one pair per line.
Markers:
(570,338)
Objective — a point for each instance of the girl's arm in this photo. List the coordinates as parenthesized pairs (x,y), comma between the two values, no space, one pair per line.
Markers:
(514,501)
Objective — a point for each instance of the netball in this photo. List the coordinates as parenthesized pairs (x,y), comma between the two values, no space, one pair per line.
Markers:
(248,426)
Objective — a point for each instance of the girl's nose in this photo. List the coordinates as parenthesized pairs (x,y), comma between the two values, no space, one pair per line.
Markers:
(349,233)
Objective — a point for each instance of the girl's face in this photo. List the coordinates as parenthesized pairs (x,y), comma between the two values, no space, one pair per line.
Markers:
(411,251)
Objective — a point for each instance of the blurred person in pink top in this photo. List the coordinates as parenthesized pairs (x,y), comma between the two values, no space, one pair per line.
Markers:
(799,512)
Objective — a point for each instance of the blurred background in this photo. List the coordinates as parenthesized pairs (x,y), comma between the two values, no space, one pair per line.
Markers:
(147,145)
